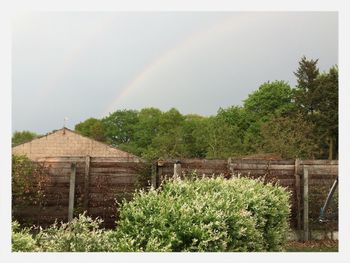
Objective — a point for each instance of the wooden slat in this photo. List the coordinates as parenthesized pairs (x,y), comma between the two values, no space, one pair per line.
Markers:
(323,176)
(113,170)
(113,180)
(70,159)
(115,159)
(318,162)
(253,166)
(259,161)
(123,174)
(47,211)
(282,173)
(322,170)
(114,189)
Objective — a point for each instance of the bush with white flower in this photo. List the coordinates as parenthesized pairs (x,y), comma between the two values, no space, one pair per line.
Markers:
(207,214)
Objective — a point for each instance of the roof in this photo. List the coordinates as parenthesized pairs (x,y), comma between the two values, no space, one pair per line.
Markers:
(76,133)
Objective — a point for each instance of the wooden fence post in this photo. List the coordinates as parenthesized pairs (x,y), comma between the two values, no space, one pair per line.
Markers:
(297,194)
(306,203)
(159,176)
(154,175)
(177,169)
(86,183)
(71,191)
(229,166)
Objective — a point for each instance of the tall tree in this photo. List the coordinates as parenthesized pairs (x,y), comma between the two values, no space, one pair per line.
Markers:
(307,85)
(326,110)
(316,97)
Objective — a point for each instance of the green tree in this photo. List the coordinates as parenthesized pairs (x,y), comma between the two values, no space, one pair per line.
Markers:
(222,139)
(253,139)
(92,128)
(326,110)
(20,137)
(242,119)
(316,98)
(271,98)
(120,127)
(291,137)
(146,128)
(194,135)
(168,142)
(307,85)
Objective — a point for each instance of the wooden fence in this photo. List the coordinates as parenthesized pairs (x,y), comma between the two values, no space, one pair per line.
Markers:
(99,182)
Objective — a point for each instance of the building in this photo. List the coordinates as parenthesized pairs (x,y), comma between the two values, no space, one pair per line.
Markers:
(67,143)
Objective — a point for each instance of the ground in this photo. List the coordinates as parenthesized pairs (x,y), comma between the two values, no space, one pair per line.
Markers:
(312,246)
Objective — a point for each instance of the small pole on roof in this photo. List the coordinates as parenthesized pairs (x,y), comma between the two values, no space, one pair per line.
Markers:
(64,124)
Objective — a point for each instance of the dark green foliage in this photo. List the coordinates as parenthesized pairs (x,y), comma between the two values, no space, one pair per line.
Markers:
(168,142)
(306,92)
(120,126)
(205,215)
(222,139)
(146,128)
(316,98)
(271,98)
(291,137)
(326,110)
(93,128)
(22,137)
(194,134)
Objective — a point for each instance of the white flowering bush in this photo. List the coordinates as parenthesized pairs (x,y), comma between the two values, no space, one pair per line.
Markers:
(82,234)
(22,240)
(205,215)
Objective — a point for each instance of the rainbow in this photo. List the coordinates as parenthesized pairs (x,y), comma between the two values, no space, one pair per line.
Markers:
(193,41)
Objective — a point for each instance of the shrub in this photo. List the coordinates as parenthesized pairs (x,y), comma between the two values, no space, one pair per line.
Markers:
(22,240)
(205,215)
(28,181)
(82,234)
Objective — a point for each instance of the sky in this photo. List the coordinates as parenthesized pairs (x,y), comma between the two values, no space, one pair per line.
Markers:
(89,64)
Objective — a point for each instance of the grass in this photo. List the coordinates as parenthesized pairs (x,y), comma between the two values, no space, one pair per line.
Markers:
(312,246)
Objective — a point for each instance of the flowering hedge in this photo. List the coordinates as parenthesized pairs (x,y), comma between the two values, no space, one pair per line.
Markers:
(22,239)
(205,215)
(82,234)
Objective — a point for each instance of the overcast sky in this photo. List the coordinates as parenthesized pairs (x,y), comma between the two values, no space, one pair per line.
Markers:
(81,65)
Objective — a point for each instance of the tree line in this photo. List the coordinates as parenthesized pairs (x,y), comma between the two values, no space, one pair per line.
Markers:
(291,122)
